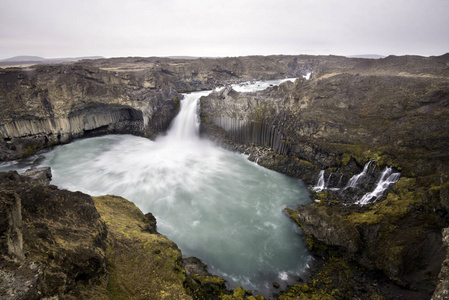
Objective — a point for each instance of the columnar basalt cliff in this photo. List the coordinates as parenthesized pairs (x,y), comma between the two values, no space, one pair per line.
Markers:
(52,104)
(385,115)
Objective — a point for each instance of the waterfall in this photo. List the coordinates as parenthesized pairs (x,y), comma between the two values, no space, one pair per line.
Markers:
(356,179)
(321,182)
(326,185)
(340,180)
(186,124)
(386,179)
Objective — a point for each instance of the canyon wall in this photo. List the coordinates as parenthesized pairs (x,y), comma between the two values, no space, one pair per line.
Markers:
(394,115)
(48,105)
(392,112)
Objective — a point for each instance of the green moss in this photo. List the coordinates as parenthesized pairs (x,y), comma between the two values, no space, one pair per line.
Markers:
(444,186)
(260,112)
(239,293)
(345,159)
(208,279)
(32,149)
(322,196)
(306,162)
(334,281)
(362,153)
(398,203)
(293,215)
(141,264)
(176,102)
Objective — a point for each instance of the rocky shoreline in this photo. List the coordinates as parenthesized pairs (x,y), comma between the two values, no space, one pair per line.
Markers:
(391,111)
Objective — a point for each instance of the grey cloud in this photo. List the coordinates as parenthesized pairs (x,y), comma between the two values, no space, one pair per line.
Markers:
(53,28)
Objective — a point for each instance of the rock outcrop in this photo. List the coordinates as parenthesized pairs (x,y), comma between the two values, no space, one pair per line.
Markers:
(442,289)
(55,240)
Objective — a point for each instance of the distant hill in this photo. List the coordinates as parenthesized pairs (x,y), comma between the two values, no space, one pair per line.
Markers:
(23,58)
(372,56)
(183,57)
(34,60)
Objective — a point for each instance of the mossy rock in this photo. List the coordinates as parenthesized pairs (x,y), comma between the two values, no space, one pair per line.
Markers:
(142,265)
(207,286)
(239,293)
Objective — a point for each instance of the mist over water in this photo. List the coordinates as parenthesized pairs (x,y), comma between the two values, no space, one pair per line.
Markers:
(215,204)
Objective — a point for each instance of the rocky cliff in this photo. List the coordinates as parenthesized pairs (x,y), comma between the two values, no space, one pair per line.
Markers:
(392,112)
(339,114)
(52,104)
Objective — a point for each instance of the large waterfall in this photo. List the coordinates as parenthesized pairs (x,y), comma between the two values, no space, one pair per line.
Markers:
(215,204)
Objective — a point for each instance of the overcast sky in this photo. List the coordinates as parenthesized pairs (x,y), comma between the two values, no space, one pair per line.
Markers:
(115,28)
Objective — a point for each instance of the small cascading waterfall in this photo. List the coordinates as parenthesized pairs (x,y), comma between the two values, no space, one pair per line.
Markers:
(326,184)
(320,185)
(386,179)
(356,179)
(340,181)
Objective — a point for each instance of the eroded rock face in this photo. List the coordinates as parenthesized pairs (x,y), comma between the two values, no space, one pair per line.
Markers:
(54,104)
(11,237)
(322,119)
(442,289)
(57,247)
(400,236)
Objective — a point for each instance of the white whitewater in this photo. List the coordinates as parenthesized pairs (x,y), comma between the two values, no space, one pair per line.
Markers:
(307,76)
(185,126)
(215,204)
(258,85)
(320,185)
(386,179)
(356,179)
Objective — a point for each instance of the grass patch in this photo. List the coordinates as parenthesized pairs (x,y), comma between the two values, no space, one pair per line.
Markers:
(141,265)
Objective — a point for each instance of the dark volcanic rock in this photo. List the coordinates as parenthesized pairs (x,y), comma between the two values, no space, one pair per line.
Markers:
(392,111)
(52,104)
(42,175)
(400,236)
(56,238)
(320,120)
(55,244)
